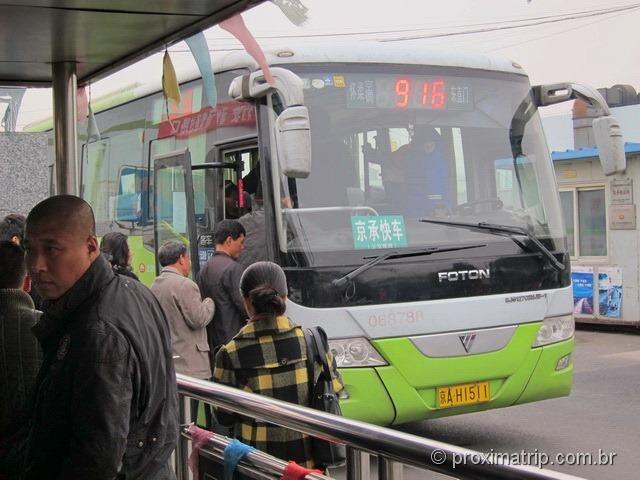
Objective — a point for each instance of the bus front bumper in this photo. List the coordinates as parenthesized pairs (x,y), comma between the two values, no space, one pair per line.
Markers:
(406,389)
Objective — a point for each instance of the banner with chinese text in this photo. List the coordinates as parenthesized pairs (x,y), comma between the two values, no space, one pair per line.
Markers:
(385,231)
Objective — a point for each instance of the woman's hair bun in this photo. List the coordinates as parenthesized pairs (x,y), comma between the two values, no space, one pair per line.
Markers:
(267,301)
(265,285)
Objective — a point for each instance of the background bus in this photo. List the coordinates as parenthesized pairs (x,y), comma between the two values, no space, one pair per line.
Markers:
(468,312)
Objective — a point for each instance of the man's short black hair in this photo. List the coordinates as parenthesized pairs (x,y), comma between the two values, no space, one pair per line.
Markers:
(170,253)
(227,228)
(12,226)
(12,265)
(67,211)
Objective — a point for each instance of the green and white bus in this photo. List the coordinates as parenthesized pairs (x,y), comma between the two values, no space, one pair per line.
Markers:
(408,194)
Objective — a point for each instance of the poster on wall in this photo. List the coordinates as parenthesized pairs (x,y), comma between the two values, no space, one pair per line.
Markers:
(610,291)
(582,278)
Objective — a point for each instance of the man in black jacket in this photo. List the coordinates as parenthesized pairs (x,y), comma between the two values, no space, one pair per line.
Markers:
(105,403)
(220,279)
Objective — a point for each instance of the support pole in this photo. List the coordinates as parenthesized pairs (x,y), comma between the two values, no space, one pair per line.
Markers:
(358,467)
(388,469)
(182,448)
(64,127)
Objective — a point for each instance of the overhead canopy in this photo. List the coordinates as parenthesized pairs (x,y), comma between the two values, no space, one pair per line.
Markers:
(99,36)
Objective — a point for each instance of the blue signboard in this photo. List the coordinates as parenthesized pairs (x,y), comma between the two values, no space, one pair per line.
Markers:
(204,254)
(385,231)
(582,292)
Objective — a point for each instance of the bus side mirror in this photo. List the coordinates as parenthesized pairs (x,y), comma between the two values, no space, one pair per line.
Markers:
(606,129)
(610,143)
(293,141)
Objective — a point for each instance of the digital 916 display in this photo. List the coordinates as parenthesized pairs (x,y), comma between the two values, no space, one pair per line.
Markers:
(416,92)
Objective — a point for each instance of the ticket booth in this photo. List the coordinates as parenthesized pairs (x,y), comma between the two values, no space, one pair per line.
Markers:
(601,218)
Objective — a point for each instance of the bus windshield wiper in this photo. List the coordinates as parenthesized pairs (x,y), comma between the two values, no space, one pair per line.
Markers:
(510,231)
(374,260)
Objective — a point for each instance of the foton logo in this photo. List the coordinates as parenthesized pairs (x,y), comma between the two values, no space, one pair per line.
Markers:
(464,275)
(467,340)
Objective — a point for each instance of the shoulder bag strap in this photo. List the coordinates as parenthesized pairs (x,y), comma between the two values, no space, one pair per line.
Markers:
(311,353)
(321,351)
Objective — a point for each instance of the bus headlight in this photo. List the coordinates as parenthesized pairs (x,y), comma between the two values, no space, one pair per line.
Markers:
(555,329)
(355,352)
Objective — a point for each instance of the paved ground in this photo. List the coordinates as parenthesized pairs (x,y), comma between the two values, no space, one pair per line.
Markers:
(601,414)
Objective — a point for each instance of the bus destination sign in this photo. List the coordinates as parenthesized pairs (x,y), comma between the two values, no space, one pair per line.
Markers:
(416,92)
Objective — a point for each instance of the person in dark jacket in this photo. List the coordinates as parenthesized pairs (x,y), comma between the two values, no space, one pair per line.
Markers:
(105,400)
(255,244)
(269,357)
(219,279)
(115,247)
(20,354)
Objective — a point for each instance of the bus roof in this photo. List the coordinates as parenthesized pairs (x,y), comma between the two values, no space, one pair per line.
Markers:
(371,52)
(360,52)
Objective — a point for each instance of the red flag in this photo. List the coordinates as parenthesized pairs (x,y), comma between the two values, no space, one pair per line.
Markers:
(82,104)
(236,26)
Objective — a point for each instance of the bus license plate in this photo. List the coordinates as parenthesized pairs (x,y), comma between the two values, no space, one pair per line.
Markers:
(466,394)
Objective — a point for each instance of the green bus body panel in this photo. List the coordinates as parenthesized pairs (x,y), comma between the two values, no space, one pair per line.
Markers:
(143,263)
(546,382)
(368,399)
(517,373)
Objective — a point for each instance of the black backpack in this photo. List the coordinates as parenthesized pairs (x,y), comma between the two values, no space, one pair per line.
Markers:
(322,396)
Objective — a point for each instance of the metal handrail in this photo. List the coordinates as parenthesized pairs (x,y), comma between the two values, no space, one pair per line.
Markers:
(263,461)
(386,443)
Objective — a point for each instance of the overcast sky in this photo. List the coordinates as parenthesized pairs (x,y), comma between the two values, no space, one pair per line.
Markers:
(598,49)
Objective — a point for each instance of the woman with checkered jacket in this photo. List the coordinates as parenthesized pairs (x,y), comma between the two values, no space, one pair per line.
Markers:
(268,357)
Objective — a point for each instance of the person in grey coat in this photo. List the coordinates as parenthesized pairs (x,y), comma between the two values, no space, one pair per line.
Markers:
(188,316)
(187,313)
(220,279)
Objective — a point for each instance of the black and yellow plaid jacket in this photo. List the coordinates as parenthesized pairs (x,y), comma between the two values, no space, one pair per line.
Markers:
(268,357)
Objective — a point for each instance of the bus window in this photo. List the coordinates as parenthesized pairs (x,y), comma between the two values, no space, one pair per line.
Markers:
(131,201)
(367,146)
(400,174)
(517,186)
(398,137)
(461,174)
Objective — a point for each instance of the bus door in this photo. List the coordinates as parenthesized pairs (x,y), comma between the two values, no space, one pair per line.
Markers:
(236,178)
(96,187)
(231,177)
(174,218)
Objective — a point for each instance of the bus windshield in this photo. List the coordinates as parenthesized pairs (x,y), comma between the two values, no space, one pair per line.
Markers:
(395,144)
